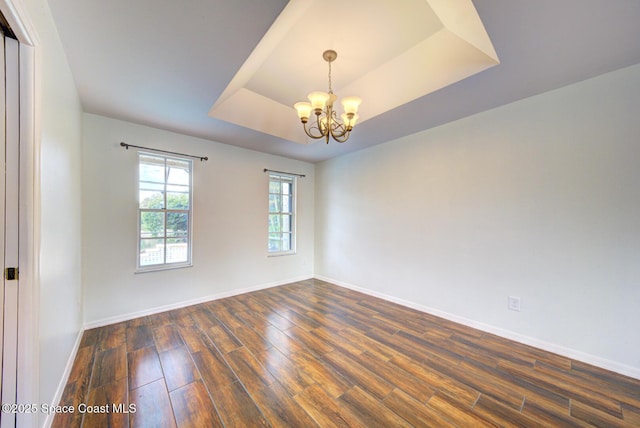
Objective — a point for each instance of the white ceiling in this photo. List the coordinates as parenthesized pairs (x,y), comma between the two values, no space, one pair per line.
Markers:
(165,63)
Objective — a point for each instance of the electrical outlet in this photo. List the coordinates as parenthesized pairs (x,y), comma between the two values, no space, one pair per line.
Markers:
(513,303)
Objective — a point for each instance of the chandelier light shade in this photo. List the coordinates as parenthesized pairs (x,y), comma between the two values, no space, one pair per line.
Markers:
(326,124)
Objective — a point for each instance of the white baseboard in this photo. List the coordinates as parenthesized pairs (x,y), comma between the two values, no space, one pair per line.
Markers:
(132,315)
(65,378)
(593,360)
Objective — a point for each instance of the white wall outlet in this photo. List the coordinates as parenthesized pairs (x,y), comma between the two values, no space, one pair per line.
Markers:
(513,303)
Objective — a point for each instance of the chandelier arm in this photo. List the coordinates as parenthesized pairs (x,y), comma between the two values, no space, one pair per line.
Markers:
(319,122)
(309,131)
(338,129)
(342,132)
(342,138)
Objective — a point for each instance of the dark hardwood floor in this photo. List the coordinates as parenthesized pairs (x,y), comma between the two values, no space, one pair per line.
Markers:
(314,354)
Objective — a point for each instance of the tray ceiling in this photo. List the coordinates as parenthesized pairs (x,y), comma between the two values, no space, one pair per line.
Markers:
(389,53)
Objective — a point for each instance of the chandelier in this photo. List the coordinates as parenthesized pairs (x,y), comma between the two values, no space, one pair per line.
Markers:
(326,123)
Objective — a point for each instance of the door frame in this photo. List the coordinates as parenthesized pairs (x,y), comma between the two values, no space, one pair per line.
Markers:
(15,13)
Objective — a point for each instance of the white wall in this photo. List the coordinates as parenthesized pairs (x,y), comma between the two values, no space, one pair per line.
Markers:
(59,205)
(538,199)
(229,226)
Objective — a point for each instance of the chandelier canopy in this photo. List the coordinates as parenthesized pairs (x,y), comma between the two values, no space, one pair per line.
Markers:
(326,124)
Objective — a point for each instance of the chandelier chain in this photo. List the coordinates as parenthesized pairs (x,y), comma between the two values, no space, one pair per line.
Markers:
(330,89)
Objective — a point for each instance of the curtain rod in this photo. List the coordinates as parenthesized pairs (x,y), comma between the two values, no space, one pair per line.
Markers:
(126,146)
(282,172)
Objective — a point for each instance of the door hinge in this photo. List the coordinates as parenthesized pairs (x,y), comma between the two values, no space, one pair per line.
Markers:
(11,273)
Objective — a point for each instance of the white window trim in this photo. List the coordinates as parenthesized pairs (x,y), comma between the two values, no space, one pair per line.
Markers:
(294,228)
(165,266)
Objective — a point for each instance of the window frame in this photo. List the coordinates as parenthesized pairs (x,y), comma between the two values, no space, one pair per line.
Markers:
(292,214)
(189,235)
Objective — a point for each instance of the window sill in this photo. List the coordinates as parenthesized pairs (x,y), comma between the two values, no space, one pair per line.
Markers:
(281,253)
(162,267)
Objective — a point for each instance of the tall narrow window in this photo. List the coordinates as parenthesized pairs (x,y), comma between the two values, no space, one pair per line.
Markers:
(282,224)
(164,213)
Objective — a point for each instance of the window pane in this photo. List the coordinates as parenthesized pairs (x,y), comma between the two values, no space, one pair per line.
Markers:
(151,169)
(151,199)
(287,188)
(177,201)
(274,223)
(177,250)
(286,223)
(286,204)
(275,242)
(275,203)
(177,224)
(286,241)
(274,186)
(151,252)
(151,224)
(178,175)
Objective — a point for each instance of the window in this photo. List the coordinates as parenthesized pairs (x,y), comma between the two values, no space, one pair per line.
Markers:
(282,223)
(164,212)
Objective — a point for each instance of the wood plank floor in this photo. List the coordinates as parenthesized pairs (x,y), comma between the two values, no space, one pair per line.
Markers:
(314,354)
